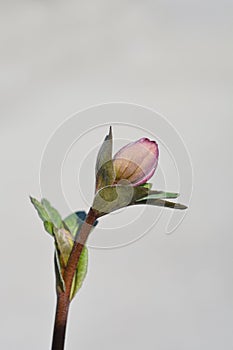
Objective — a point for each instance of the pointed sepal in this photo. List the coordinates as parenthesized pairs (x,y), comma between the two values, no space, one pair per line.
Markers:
(159,195)
(162,203)
(111,198)
(104,165)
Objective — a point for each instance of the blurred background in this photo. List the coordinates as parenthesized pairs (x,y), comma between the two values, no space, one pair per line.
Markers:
(166,292)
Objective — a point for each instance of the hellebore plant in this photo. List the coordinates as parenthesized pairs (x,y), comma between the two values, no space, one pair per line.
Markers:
(121,181)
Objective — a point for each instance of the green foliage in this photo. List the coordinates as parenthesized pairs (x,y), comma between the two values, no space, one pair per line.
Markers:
(60,284)
(159,195)
(72,222)
(107,199)
(114,197)
(80,274)
(53,214)
(104,165)
(48,227)
(140,192)
(40,209)
(63,233)
(64,245)
(48,214)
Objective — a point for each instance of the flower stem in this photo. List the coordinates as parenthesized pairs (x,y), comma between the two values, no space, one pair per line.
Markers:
(63,298)
(59,331)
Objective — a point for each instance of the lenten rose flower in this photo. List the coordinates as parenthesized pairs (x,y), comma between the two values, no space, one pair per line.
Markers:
(136,162)
(119,178)
(120,183)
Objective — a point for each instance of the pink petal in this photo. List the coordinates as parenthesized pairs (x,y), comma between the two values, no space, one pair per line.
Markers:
(137,161)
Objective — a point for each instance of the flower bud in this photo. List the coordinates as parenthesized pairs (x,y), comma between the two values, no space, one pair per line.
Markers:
(136,162)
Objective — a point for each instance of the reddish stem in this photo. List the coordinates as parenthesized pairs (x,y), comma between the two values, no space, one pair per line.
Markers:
(63,298)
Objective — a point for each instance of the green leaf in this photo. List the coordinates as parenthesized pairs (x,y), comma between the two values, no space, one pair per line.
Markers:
(48,214)
(104,165)
(72,222)
(60,284)
(40,209)
(162,203)
(64,244)
(111,198)
(48,227)
(52,213)
(43,215)
(80,273)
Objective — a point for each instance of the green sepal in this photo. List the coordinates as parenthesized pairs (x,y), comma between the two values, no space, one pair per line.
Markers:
(80,273)
(143,192)
(104,170)
(159,195)
(111,198)
(140,192)
(162,203)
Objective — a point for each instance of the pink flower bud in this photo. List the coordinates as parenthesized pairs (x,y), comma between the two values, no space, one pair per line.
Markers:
(136,162)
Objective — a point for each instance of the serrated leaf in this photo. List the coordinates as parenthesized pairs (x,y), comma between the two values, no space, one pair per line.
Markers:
(53,214)
(104,165)
(162,203)
(80,273)
(111,198)
(64,244)
(60,284)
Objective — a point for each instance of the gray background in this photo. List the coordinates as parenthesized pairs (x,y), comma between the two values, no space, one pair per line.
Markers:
(163,292)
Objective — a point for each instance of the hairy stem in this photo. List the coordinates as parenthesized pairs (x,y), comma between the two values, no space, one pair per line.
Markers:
(63,298)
